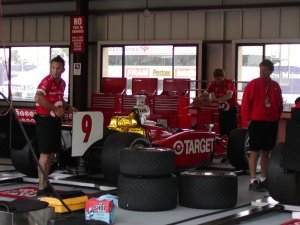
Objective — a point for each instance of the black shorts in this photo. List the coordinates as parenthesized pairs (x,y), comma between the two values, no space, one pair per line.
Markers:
(227,121)
(262,135)
(48,130)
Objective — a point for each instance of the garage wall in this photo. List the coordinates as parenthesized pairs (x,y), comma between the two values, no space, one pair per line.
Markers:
(204,25)
(217,27)
(36,30)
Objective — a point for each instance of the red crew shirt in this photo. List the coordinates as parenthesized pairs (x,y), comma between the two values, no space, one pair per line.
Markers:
(54,93)
(254,105)
(221,90)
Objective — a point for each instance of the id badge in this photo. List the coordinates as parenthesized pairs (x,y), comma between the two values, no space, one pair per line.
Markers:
(267,103)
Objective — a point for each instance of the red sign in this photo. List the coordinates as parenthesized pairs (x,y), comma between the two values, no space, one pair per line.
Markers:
(77,27)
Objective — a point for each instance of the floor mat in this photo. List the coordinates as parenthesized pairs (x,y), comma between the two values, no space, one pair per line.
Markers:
(23,192)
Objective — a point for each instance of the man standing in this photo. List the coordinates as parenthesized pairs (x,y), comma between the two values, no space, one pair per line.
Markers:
(261,111)
(50,106)
(223,92)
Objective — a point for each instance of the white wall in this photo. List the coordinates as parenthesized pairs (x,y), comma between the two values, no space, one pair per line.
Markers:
(217,27)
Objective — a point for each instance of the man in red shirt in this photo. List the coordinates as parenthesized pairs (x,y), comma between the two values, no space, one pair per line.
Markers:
(50,106)
(261,110)
(297,103)
(223,91)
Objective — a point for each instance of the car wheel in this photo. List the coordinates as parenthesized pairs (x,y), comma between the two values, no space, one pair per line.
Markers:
(282,186)
(110,156)
(147,194)
(237,148)
(23,160)
(147,161)
(92,157)
(208,189)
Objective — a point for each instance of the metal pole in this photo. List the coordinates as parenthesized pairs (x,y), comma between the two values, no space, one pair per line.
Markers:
(33,153)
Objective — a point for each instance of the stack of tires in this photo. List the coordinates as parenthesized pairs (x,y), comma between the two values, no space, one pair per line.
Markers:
(146,182)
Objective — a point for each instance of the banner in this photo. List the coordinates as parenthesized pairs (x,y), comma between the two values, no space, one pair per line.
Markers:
(77,27)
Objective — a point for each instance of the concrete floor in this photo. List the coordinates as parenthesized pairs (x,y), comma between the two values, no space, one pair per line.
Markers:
(247,200)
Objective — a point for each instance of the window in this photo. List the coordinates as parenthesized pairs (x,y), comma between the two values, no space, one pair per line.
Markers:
(158,61)
(4,56)
(286,68)
(28,66)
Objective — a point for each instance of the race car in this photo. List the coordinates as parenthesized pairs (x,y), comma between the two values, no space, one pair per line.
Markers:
(100,146)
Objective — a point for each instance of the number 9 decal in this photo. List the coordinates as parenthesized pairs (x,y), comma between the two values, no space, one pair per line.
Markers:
(86,126)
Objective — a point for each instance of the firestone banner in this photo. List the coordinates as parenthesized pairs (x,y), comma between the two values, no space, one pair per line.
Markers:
(77,27)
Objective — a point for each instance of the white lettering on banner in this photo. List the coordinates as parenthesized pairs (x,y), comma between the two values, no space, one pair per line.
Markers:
(77,31)
(194,146)
(181,72)
(77,21)
(131,72)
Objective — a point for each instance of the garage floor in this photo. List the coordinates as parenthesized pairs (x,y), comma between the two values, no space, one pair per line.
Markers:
(247,201)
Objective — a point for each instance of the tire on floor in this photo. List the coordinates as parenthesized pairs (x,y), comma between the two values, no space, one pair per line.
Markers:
(208,189)
(237,148)
(147,194)
(110,156)
(283,187)
(147,161)
(23,160)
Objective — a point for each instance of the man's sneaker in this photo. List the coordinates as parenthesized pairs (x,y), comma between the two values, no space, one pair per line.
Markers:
(256,186)
(45,192)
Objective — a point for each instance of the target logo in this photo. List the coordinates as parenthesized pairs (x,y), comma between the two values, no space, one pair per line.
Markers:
(179,147)
(193,146)
(224,106)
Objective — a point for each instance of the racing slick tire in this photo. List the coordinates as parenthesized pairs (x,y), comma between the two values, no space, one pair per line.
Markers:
(110,156)
(147,194)
(208,189)
(92,157)
(23,160)
(147,161)
(237,148)
(283,186)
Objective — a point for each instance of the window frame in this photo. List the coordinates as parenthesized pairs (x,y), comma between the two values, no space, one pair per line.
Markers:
(237,43)
(187,43)
(31,103)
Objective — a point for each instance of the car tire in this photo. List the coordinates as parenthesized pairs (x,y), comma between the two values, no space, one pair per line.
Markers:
(208,189)
(147,161)
(23,160)
(92,157)
(110,156)
(282,186)
(147,194)
(237,148)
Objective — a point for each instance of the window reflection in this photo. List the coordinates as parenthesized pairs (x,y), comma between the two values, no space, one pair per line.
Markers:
(28,66)
(153,61)
(286,68)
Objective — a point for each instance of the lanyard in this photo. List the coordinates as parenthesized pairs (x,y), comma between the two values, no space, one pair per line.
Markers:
(267,88)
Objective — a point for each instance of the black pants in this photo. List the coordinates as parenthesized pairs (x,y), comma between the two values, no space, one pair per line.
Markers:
(227,121)
(48,130)
(262,135)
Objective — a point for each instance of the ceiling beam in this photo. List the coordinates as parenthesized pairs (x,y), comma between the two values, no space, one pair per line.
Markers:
(17,2)
(206,7)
